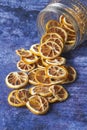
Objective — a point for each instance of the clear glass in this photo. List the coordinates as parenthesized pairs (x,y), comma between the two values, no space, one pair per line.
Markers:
(74,10)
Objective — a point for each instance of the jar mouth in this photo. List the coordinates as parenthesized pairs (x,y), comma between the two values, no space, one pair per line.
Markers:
(51,12)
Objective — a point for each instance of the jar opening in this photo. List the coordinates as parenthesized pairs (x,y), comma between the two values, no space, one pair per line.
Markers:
(53,12)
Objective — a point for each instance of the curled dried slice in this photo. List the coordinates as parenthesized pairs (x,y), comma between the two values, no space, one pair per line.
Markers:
(59,92)
(51,35)
(31,77)
(60,31)
(52,23)
(21,65)
(42,78)
(35,49)
(22,95)
(50,50)
(61,19)
(57,61)
(23,53)
(71,75)
(40,90)
(13,101)
(57,72)
(67,22)
(37,104)
(31,59)
(16,80)
(64,21)
(69,30)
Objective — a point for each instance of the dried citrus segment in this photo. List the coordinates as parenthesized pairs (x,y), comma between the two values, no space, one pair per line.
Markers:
(40,64)
(21,65)
(23,95)
(58,41)
(13,101)
(52,23)
(71,75)
(59,92)
(37,104)
(16,80)
(31,59)
(31,77)
(60,31)
(50,50)
(51,35)
(35,49)
(40,90)
(23,53)
(52,99)
(56,72)
(42,78)
(57,61)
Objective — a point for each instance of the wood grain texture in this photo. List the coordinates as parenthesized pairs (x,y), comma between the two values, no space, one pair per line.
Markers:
(18,29)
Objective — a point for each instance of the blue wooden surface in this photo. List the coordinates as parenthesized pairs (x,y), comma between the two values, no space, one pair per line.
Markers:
(18,29)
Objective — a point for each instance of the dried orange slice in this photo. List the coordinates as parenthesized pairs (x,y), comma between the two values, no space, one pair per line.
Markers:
(71,75)
(52,23)
(13,101)
(56,72)
(51,35)
(21,65)
(57,61)
(60,31)
(42,78)
(59,92)
(31,77)
(31,59)
(37,104)
(23,53)
(35,49)
(40,90)
(22,95)
(16,80)
(50,50)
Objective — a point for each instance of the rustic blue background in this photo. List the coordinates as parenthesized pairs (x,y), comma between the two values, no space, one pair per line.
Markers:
(18,29)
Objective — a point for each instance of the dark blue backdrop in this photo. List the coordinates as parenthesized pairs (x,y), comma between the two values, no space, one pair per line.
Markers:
(18,29)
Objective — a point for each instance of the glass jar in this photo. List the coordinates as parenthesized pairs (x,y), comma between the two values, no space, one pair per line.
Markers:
(74,11)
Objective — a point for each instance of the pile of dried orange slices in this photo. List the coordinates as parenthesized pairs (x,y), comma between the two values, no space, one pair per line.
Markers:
(44,68)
